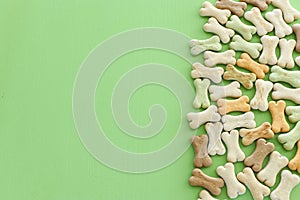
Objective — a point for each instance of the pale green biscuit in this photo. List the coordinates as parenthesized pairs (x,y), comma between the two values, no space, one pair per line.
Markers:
(289,139)
(199,46)
(294,113)
(291,77)
(239,44)
(237,25)
(201,99)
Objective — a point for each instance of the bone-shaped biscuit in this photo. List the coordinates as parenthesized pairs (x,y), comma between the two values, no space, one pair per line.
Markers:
(237,25)
(215,145)
(236,8)
(246,62)
(255,17)
(260,99)
(230,90)
(258,190)
(281,28)
(231,122)
(246,79)
(286,59)
(294,113)
(289,139)
(269,173)
(261,4)
(213,185)
(212,59)
(234,187)
(208,10)
(201,99)
(290,14)
(199,46)
(226,106)
(298,60)
(286,185)
(279,74)
(268,55)
(250,135)
(281,92)
(234,151)
(201,158)
(214,74)
(294,164)
(239,44)
(214,27)
(204,195)
(199,118)
(296,29)
(262,150)
(279,124)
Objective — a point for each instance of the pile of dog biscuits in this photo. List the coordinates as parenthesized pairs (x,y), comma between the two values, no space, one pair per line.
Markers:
(223,127)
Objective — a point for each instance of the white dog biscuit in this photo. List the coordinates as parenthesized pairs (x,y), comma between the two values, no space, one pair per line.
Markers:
(260,100)
(286,59)
(231,122)
(294,113)
(215,145)
(231,90)
(214,27)
(234,151)
(290,14)
(281,28)
(208,10)
(199,118)
(211,59)
(200,71)
(204,195)
(268,55)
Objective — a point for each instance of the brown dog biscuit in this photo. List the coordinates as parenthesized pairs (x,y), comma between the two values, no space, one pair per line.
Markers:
(261,151)
(201,158)
(198,178)
(261,4)
(237,8)
(279,123)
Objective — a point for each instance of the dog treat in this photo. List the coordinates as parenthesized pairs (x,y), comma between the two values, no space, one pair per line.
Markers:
(199,118)
(239,44)
(268,55)
(295,162)
(250,135)
(286,185)
(227,106)
(279,124)
(294,113)
(281,92)
(298,60)
(231,90)
(246,79)
(296,29)
(281,28)
(255,17)
(291,77)
(286,59)
(290,14)
(200,71)
(201,158)
(236,8)
(269,173)
(213,185)
(246,62)
(199,46)
(258,190)
(260,100)
(234,187)
(234,151)
(215,145)
(201,99)
(237,25)
(212,58)
(208,10)
(231,122)
(262,150)
(261,4)
(214,27)
(289,139)
(204,195)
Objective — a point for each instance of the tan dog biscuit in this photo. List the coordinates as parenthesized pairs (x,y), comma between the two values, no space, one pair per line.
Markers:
(246,62)
(215,145)
(226,106)
(234,151)
(260,99)
(269,173)
(201,158)
(212,59)
(246,79)
(294,164)
(296,29)
(208,10)
(279,123)
(230,90)
(213,185)
(258,190)
(250,135)
(261,4)
(236,8)
(255,160)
